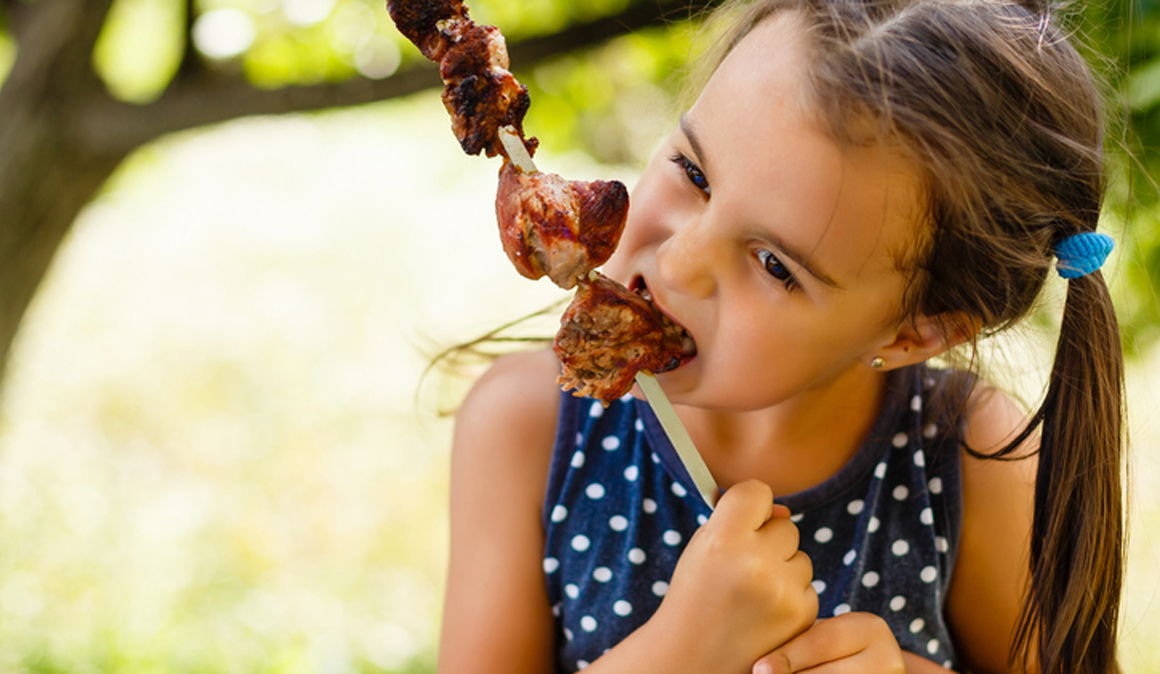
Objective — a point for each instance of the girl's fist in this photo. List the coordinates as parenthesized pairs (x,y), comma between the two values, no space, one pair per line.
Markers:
(742,587)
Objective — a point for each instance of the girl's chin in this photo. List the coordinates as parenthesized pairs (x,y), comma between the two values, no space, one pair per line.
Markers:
(683,376)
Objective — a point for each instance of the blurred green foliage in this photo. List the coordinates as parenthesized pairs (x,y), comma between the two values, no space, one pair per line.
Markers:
(1123,42)
(616,100)
(612,102)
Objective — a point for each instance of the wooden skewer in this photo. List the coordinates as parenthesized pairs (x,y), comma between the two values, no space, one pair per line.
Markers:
(516,150)
(653,392)
(686,450)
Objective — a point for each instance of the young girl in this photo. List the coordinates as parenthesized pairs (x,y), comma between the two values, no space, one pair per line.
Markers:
(861,186)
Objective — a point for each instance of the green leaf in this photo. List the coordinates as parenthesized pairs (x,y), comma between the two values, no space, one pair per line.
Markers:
(1144,87)
(7,56)
(140,48)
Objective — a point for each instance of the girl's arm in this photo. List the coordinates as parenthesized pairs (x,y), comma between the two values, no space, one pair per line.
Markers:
(991,571)
(496,616)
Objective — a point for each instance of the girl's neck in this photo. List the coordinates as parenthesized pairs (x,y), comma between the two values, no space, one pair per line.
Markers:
(796,444)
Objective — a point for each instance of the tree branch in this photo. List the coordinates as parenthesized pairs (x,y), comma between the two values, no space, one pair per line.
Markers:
(591,33)
(191,67)
(107,125)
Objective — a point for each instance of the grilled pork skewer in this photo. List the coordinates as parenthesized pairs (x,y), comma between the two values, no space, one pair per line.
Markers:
(479,92)
(548,225)
(609,333)
(556,227)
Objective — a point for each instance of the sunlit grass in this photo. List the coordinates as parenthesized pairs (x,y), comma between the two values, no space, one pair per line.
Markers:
(212,458)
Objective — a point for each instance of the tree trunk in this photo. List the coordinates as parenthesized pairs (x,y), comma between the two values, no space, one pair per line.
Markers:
(46,176)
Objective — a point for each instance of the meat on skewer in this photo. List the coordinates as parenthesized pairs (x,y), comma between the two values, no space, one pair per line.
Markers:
(556,227)
(549,226)
(608,334)
(430,24)
(480,93)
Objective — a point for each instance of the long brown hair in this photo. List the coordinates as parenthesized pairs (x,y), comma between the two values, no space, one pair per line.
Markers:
(1002,116)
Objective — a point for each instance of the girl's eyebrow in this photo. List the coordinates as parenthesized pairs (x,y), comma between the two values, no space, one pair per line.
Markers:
(803,260)
(687,129)
(789,251)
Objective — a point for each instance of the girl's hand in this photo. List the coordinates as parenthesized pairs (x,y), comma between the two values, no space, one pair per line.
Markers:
(850,643)
(741,587)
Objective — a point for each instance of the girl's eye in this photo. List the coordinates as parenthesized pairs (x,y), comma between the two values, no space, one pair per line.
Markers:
(692,172)
(774,267)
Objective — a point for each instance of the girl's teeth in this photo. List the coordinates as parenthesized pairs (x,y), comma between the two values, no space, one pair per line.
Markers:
(688,346)
(646,295)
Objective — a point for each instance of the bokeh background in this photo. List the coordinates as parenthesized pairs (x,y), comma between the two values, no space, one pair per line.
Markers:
(218,448)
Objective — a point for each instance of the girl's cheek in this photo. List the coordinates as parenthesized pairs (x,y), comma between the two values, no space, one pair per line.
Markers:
(639,230)
(654,211)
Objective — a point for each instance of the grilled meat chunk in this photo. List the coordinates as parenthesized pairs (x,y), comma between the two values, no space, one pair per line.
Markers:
(610,333)
(479,92)
(556,227)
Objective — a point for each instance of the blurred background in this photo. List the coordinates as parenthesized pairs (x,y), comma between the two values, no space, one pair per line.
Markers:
(233,233)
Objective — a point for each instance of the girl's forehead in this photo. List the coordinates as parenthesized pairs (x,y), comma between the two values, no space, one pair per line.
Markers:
(772,56)
(771,164)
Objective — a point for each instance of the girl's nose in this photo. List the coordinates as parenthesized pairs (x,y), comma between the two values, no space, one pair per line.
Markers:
(685,261)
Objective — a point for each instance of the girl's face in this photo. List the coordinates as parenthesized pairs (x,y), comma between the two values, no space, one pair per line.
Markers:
(778,250)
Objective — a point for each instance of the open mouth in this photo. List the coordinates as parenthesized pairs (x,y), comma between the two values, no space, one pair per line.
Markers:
(675,335)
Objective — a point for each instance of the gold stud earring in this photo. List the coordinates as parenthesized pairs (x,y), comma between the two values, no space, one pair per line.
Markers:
(878,363)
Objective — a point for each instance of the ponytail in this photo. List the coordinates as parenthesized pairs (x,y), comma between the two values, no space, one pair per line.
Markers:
(1002,118)
(1077,537)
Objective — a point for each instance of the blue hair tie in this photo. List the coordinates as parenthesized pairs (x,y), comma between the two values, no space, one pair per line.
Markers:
(1081,254)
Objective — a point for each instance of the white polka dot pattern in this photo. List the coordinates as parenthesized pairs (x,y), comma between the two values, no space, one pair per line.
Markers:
(618,515)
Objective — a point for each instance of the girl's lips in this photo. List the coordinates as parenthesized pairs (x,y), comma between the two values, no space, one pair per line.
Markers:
(688,344)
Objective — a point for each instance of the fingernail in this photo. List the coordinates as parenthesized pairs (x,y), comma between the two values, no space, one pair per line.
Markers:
(762,667)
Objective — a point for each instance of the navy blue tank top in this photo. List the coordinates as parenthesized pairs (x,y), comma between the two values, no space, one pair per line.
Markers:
(882,532)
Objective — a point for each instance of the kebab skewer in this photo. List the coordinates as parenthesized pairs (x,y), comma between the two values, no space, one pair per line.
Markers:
(610,337)
(609,333)
(549,226)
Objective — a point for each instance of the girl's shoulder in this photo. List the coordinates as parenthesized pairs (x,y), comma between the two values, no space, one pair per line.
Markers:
(518,385)
(504,432)
(507,423)
(994,420)
(998,503)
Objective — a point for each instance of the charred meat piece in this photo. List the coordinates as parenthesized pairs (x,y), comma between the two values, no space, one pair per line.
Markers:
(610,333)
(430,24)
(556,227)
(479,92)
(482,99)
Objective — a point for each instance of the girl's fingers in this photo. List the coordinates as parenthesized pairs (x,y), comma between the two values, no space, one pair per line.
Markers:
(747,505)
(854,642)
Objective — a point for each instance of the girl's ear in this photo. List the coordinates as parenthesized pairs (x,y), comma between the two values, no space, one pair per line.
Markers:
(924,337)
